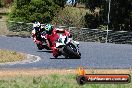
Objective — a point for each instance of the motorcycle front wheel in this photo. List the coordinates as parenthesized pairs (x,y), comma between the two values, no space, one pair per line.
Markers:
(71,53)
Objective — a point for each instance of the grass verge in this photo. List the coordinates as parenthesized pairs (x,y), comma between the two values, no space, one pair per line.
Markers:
(19,34)
(10,56)
(50,80)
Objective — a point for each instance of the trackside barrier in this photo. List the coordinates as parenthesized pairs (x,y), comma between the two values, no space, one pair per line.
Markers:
(82,34)
(97,35)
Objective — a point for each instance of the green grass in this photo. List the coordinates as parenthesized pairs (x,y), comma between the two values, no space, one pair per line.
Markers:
(10,56)
(52,81)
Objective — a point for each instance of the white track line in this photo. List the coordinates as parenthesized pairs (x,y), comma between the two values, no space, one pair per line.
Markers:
(30,59)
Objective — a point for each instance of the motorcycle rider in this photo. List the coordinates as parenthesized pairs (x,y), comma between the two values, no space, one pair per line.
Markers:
(52,36)
(36,34)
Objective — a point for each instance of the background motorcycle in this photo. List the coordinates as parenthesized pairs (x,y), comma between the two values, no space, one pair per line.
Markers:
(42,44)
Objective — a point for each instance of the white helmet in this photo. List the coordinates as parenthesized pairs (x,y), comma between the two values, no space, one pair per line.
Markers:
(36,24)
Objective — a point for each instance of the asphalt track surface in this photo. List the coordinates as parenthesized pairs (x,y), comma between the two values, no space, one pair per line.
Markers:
(94,55)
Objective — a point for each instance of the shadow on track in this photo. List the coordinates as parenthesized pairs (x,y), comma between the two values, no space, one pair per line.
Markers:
(47,51)
(62,58)
(50,51)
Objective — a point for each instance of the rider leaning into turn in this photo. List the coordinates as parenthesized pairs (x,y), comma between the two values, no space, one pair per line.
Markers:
(52,37)
(36,34)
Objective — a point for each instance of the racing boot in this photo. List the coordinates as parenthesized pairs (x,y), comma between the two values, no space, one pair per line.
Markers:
(39,45)
(55,53)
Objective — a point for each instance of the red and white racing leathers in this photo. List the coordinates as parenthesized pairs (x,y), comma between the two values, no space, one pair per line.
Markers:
(53,38)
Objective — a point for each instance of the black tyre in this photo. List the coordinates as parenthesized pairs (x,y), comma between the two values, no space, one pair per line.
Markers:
(46,47)
(70,53)
(72,47)
(39,47)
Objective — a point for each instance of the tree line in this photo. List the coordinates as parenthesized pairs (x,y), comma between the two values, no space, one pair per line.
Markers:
(46,10)
(120,14)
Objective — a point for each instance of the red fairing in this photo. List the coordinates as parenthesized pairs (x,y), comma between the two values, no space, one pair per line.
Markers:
(35,40)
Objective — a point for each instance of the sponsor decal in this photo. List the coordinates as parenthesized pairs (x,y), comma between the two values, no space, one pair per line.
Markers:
(84,78)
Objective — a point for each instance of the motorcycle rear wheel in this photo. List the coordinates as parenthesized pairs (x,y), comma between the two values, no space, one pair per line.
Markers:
(39,47)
